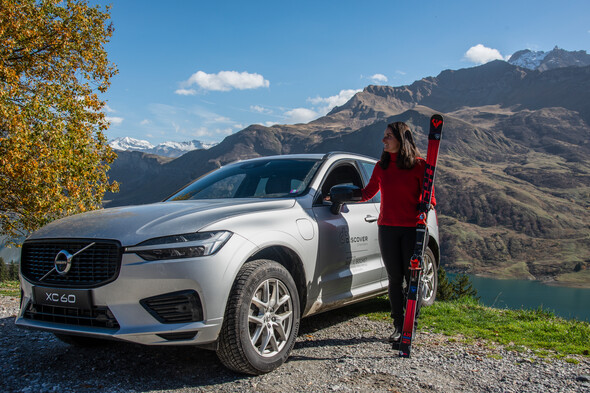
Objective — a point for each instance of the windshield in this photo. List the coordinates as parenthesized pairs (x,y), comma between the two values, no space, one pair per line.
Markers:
(272,178)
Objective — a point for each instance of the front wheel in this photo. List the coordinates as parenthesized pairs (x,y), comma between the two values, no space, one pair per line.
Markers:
(261,319)
(429,278)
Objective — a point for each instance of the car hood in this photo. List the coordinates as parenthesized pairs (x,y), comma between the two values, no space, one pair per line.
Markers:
(134,224)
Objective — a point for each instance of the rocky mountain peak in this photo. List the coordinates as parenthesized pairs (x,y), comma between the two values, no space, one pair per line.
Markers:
(543,61)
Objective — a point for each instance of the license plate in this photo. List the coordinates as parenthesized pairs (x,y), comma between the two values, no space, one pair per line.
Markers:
(73,298)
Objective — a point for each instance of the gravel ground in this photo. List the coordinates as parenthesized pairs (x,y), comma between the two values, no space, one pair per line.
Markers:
(334,353)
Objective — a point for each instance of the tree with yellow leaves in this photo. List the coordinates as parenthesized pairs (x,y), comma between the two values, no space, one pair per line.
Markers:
(53,153)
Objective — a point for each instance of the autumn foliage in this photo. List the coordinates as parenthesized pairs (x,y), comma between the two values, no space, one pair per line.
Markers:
(53,154)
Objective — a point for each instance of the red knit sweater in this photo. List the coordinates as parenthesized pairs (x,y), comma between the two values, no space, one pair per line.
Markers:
(400,192)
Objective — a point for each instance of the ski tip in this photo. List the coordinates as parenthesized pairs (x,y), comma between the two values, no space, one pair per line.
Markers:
(436,121)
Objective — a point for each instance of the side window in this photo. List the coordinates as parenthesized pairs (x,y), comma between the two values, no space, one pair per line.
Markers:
(345,173)
(368,171)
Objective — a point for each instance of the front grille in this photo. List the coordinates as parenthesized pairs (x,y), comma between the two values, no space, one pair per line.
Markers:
(97,265)
(100,317)
(175,307)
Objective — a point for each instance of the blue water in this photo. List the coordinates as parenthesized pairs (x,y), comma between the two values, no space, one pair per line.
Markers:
(565,302)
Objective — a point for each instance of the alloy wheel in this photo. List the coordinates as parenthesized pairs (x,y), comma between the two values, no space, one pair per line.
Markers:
(270,319)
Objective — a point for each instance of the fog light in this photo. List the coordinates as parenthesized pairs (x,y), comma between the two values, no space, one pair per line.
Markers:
(175,307)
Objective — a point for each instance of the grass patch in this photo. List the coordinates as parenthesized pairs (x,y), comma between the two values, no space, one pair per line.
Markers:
(10,288)
(517,330)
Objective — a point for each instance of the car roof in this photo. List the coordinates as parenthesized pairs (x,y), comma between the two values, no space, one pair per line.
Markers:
(317,156)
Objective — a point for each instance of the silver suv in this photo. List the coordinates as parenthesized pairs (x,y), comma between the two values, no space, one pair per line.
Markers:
(231,262)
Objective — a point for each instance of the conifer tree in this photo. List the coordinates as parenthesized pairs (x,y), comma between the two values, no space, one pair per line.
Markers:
(444,291)
(462,287)
(3,270)
(13,271)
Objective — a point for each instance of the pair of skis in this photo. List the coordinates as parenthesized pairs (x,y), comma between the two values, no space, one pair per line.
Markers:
(416,262)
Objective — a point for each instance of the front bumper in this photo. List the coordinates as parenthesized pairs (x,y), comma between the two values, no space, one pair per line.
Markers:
(210,278)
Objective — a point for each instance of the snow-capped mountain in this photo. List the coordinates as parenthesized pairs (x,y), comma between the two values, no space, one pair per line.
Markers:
(127,143)
(543,61)
(166,149)
(527,59)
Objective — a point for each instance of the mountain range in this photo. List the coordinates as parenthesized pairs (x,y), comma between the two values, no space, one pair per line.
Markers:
(543,61)
(513,184)
(165,149)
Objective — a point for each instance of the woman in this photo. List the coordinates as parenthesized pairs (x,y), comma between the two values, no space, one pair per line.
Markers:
(399,176)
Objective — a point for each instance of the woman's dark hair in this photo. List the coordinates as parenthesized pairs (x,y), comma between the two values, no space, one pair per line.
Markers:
(406,157)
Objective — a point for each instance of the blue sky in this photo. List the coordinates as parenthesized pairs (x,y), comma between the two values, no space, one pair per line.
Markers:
(206,69)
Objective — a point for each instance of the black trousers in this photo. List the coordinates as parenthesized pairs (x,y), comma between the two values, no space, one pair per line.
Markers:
(397,247)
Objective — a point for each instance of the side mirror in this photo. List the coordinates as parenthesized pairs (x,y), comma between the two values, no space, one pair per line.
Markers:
(343,193)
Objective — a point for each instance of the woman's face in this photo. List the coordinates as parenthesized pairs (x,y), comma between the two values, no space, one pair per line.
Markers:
(390,142)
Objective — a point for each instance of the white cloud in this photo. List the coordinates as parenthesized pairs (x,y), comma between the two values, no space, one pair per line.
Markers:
(328,103)
(223,81)
(108,109)
(145,122)
(114,120)
(301,115)
(260,109)
(480,54)
(378,78)
(207,132)
(321,106)
(186,92)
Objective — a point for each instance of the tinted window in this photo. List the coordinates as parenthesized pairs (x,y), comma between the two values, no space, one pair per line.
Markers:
(275,178)
(368,169)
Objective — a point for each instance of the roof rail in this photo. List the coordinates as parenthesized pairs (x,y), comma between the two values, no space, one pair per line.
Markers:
(333,153)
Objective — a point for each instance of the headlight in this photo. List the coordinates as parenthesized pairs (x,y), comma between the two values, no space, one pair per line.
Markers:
(189,245)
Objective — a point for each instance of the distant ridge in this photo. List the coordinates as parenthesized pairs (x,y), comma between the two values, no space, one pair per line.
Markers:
(543,61)
(166,149)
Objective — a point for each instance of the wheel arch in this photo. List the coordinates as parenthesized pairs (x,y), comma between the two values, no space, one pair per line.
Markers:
(290,261)
(433,245)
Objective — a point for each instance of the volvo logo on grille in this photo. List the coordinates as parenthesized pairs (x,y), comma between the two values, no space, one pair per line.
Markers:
(63,262)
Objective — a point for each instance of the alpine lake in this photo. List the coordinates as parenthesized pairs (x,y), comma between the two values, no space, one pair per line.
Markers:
(565,302)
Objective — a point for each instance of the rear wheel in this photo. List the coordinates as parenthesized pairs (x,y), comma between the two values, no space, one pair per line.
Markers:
(429,278)
(261,319)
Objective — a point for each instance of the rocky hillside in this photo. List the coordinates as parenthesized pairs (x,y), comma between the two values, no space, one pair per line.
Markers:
(514,182)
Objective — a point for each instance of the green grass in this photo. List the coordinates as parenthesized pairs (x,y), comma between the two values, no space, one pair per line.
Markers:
(467,320)
(10,288)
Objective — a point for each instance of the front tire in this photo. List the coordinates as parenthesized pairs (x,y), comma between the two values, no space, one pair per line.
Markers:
(261,319)
(429,278)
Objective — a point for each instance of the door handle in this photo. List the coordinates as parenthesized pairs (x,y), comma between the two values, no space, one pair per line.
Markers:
(370,218)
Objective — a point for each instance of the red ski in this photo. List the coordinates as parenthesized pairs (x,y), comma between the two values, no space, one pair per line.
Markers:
(416,263)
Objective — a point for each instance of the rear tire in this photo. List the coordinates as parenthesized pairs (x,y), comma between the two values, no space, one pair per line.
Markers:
(429,278)
(261,319)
